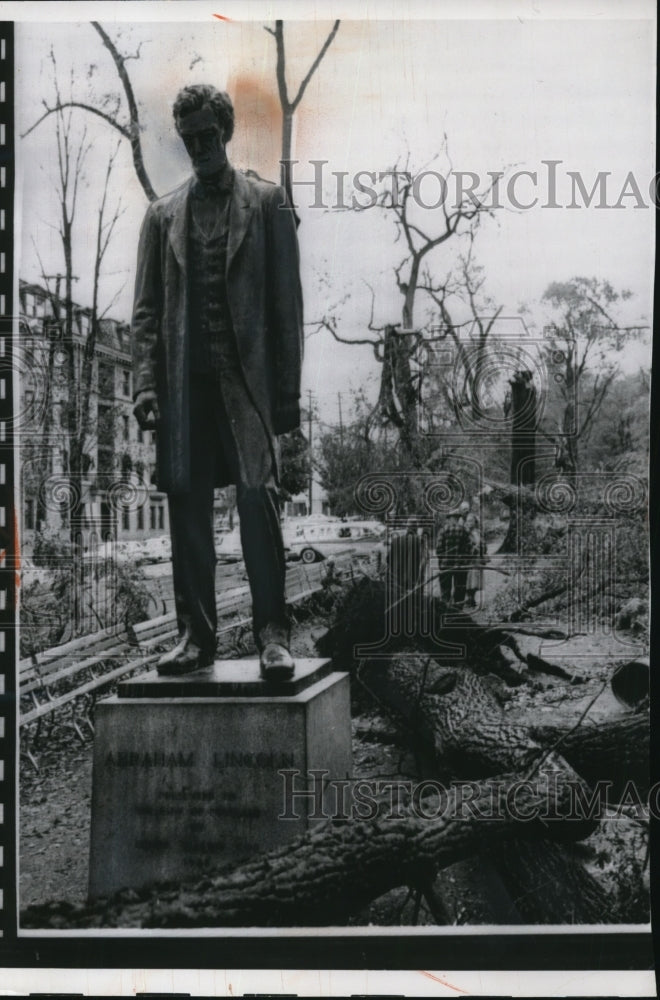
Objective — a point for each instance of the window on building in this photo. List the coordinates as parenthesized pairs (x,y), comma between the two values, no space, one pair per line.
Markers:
(140,518)
(161,518)
(126,432)
(106,379)
(126,519)
(140,435)
(153,437)
(126,383)
(152,517)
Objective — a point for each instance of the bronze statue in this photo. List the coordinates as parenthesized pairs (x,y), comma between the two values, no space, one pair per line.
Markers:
(217,343)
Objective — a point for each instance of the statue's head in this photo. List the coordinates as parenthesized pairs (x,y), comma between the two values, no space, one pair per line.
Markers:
(204,118)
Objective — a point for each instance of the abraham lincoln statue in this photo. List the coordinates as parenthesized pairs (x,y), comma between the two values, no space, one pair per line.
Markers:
(217,349)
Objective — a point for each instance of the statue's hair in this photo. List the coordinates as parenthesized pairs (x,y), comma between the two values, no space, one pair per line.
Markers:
(195,97)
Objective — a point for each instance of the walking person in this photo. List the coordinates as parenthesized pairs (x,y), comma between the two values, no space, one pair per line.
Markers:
(475,573)
(453,550)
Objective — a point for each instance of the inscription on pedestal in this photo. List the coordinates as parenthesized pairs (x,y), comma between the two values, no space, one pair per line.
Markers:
(183,785)
(196,810)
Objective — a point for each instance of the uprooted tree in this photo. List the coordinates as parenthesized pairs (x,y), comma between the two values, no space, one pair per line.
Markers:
(520,792)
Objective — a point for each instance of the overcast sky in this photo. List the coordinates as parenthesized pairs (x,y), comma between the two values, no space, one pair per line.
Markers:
(509,93)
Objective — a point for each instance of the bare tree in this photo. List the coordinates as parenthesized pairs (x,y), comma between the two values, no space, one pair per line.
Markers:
(105,227)
(130,129)
(287,104)
(78,347)
(473,337)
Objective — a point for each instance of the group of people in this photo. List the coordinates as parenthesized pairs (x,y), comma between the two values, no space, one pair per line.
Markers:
(460,550)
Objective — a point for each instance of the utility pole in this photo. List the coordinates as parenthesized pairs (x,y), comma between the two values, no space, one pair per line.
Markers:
(58,278)
(311,450)
(341,423)
(56,299)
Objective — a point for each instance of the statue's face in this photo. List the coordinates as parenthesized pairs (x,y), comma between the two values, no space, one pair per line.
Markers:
(204,142)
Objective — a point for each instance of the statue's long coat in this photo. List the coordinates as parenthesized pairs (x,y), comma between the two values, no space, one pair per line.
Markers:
(265,301)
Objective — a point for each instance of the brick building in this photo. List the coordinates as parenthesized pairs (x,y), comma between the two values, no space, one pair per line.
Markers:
(119,497)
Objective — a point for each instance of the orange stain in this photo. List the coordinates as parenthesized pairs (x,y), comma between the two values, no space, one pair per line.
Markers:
(17,551)
(257,140)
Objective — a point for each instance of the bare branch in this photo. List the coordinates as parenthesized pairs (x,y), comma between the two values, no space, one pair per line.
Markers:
(138,51)
(114,298)
(280,70)
(85,107)
(370,324)
(329,325)
(555,746)
(135,130)
(596,399)
(312,70)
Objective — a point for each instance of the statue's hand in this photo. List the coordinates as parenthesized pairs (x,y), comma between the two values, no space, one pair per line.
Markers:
(287,416)
(146,410)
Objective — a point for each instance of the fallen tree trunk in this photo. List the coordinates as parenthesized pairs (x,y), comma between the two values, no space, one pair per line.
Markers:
(550,885)
(326,875)
(614,752)
(455,714)
(362,619)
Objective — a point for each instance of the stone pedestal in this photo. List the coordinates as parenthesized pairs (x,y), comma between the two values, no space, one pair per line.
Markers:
(187,770)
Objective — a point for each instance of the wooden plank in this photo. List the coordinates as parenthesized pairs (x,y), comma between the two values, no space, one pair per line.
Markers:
(64,699)
(47,672)
(76,645)
(152,632)
(73,668)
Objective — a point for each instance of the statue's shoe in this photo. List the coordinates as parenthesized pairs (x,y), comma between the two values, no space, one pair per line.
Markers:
(276,662)
(185,658)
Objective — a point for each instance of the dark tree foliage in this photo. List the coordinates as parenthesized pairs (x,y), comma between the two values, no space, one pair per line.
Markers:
(295,463)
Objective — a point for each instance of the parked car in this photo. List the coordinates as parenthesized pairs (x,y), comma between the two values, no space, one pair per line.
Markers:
(154,550)
(311,542)
(228,545)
